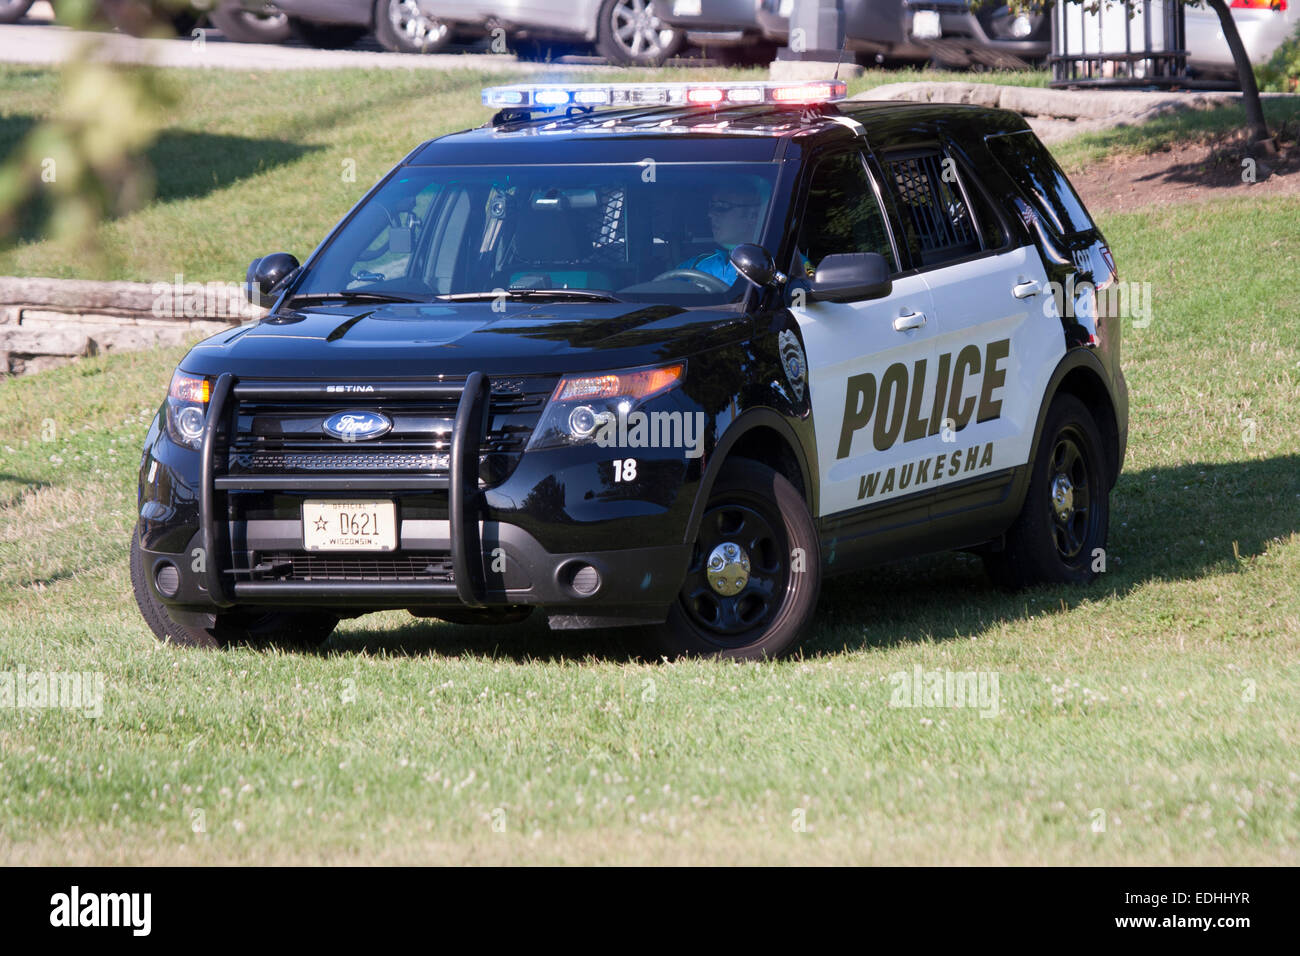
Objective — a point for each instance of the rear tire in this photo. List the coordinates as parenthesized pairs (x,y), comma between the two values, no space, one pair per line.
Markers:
(298,630)
(757,510)
(1066,514)
(629,34)
(326,36)
(240,25)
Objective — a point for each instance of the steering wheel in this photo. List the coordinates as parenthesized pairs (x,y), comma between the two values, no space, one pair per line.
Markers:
(705,280)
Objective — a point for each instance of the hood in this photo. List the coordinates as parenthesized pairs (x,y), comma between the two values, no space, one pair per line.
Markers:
(452,338)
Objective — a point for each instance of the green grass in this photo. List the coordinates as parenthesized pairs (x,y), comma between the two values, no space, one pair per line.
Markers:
(1167,697)
(1174,129)
(252,163)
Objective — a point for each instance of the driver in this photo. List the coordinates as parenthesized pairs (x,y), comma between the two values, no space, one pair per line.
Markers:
(733,213)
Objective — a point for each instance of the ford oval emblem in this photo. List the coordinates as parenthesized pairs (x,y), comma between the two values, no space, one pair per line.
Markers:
(357,426)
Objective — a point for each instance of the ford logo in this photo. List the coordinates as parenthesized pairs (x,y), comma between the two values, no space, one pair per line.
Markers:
(357,426)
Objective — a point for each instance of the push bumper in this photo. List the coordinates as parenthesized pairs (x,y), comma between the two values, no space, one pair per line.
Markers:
(487,562)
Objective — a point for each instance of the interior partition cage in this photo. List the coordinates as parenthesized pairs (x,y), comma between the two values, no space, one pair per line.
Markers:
(1112,43)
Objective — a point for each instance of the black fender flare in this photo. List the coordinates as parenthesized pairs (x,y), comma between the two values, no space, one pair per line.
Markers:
(746,422)
(1073,360)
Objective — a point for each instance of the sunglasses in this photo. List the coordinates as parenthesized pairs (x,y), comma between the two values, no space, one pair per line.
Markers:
(721,206)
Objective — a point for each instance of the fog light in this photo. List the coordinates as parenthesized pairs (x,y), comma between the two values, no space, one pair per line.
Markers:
(168,579)
(586,580)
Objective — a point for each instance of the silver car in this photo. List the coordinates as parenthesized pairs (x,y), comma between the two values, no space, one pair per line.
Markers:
(1262,26)
(626,32)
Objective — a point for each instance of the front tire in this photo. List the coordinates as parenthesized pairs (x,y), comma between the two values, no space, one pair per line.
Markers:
(755,571)
(1063,523)
(288,629)
(629,34)
(402,27)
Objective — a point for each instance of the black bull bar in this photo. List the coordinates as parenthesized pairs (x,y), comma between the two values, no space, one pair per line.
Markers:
(465,499)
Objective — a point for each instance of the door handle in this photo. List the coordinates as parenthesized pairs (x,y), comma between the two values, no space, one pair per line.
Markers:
(909,320)
(1025,289)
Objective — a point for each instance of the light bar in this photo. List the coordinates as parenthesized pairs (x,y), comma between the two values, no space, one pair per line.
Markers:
(554,96)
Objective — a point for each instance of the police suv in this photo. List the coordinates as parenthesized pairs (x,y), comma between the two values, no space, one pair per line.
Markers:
(655,355)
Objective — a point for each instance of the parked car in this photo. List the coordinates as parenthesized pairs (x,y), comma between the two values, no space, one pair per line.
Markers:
(992,36)
(403,26)
(626,32)
(874,29)
(1263,27)
(727,30)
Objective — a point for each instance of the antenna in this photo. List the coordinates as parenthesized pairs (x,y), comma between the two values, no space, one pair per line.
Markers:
(840,59)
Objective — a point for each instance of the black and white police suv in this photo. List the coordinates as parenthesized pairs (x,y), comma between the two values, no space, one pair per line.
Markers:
(657,355)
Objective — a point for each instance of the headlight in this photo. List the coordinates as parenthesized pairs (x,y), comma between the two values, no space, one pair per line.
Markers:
(582,404)
(187,405)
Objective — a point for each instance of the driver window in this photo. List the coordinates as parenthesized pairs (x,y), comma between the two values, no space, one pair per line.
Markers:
(842,214)
(388,254)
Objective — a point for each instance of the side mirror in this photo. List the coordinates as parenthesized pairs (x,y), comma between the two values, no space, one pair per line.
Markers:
(267,274)
(755,264)
(851,276)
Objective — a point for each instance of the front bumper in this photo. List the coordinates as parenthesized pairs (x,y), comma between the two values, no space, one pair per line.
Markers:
(460,544)
(966,41)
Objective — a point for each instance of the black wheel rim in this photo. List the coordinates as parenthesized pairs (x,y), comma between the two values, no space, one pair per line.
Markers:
(735,619)
(1069,496)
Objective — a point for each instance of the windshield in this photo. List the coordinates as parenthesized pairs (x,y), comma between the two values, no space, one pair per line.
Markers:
(648,232)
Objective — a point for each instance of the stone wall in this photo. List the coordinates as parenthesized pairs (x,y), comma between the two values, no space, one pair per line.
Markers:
(49,322)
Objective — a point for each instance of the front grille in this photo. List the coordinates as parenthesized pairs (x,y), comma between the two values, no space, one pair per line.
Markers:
(345,461)
(287,437)
(351,567)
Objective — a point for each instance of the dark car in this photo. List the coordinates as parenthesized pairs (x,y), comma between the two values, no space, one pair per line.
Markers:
(992,35)
(649,355)
(728,30)
(874,30)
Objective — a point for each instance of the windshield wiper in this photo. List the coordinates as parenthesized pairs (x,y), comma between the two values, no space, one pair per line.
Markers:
(591,295)
(353,295)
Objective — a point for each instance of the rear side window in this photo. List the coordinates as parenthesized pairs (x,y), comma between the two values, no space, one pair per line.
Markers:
(936,220)
(1031,167)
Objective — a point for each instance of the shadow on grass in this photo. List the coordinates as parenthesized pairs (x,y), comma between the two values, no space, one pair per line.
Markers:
(186,165)
(24,487)
(1167,524)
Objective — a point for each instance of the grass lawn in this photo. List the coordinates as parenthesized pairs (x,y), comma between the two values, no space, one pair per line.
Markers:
(1151,718)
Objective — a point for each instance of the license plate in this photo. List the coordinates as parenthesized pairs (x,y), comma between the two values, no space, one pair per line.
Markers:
(349,526)
(925,25)
(686,8)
